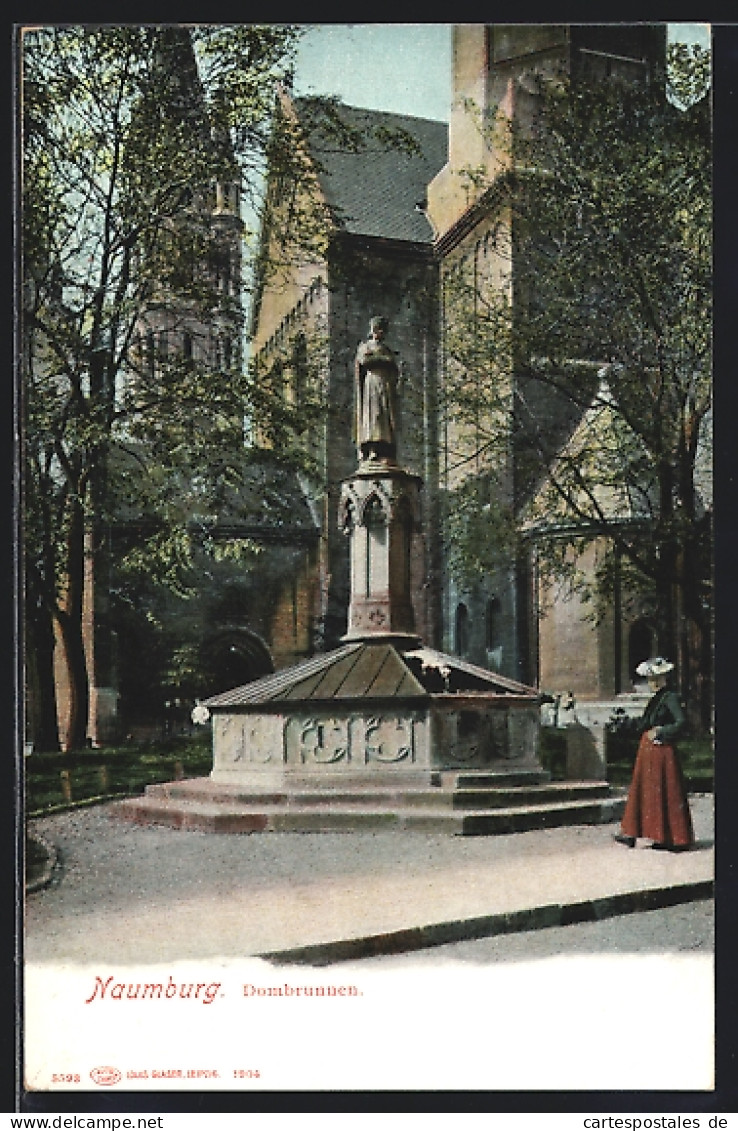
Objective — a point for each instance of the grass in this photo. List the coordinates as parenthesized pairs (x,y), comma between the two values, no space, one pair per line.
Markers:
(61,781)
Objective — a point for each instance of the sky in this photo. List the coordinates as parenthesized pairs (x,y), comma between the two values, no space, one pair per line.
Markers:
(405,68)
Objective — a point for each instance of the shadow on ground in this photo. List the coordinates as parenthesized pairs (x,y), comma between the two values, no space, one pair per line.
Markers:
(685,929)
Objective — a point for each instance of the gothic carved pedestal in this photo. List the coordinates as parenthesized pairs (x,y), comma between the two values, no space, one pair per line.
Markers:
(379,511)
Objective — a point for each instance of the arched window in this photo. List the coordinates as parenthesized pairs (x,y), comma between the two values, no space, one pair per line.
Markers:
(232,657)
(462,629)
(151,353)
(492,623)
(493,633)
(299,369)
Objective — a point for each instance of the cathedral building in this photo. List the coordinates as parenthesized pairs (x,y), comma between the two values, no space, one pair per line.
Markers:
(376,257)
(396,216)
(405,229)
(505,618)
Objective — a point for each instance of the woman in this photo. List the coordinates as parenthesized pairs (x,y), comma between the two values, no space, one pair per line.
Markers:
(657,806)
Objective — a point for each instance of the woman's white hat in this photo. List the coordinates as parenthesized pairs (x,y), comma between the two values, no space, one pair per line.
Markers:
(657,666)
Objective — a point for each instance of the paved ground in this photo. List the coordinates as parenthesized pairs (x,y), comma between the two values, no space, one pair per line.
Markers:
(687,930)
(125,894)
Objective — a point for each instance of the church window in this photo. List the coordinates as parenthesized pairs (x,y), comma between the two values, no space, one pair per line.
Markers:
(462,629)
(299,370)
(162,352)
(222,351)
(151,353)
(493,623)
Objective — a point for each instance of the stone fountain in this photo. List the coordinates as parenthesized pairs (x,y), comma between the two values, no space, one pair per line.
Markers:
(382,731)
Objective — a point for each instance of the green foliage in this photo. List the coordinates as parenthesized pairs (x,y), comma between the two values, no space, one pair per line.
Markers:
(589,316)
(480,533)
(687,74)
(123,138)
(54,782)
(615,267)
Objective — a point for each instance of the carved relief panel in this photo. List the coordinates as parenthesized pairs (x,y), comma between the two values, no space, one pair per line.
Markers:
(316,741)
(470,738)
(241,741)
(350,742)
(389,738)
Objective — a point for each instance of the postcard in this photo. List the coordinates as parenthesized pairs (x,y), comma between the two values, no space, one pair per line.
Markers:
(368,558)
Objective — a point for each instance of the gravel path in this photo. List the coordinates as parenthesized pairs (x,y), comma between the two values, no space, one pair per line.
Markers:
(144,893)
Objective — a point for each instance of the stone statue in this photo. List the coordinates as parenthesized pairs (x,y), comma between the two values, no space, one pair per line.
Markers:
(376,373)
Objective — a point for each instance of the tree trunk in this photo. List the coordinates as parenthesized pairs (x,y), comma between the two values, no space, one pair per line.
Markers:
(79,687)
(695,562)
(697,660)
(667,569)
(43,723)
(69,616)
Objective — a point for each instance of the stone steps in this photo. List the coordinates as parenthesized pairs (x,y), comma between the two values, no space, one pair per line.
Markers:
(485,779)
(535,795)
(480,797)
(206,806)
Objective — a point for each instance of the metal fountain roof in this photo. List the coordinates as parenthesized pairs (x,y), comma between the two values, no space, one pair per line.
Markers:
(463,676)
(371,671)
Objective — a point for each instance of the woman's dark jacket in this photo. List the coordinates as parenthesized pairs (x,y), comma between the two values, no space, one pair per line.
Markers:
(665,712)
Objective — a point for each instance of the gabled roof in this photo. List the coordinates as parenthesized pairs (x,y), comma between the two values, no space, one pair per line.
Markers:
(269,502)
(375,190)
(268,499)
(372,671)
(356,671)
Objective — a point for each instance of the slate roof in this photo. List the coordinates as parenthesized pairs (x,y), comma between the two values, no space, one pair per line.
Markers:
(370,671)
(269,499)
(462,675)
(354,671)
(374,192)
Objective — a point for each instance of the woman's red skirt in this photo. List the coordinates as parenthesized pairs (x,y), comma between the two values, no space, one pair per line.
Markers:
(657,806)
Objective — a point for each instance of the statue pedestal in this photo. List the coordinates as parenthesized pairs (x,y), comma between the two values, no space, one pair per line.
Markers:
(379,511)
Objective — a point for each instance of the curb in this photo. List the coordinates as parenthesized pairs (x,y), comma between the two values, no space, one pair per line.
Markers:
(48,868)
(486,926)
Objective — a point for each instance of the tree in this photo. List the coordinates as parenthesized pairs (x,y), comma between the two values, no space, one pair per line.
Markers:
(580,376)
(139,146)
(124,137)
